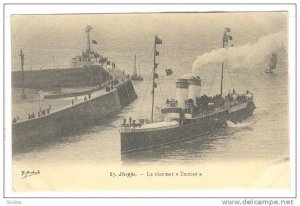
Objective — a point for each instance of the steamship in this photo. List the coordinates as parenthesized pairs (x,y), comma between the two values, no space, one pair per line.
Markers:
(189,115)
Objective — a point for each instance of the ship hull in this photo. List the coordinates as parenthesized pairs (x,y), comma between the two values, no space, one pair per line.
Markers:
(141,140)
(241,114)
(134,141)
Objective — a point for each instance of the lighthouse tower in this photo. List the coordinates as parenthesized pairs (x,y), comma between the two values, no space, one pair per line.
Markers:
(88,28)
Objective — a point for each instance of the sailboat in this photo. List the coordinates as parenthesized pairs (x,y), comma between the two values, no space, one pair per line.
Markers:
(135,76)
(189,115)
(272,63)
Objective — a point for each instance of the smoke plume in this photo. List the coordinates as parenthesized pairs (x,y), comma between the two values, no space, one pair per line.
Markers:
(248,55)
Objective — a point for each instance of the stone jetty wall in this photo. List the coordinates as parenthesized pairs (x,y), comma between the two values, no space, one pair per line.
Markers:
(71,118)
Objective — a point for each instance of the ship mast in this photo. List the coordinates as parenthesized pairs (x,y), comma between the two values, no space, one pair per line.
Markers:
(153,81)
(139,69)
(225,39)
(154,74)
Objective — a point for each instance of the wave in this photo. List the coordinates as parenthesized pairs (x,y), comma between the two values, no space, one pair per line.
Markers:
(234,125)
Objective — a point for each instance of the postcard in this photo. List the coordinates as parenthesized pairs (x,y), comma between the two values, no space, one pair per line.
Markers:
(114,102)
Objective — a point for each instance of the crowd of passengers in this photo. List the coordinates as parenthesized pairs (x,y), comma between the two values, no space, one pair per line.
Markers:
(203,103)
(210,102)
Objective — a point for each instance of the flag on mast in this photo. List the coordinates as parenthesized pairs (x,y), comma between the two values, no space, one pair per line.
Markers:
(158,40)
(94,41)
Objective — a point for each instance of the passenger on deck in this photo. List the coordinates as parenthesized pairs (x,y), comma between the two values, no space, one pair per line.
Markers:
(72,101)
(18,118)
(49,106)
(124,121)
(43,112)
(85,98)
(39,114)
(48,110)
(90,95)
(130,120)
(29,116)
(14,120)
(32,115)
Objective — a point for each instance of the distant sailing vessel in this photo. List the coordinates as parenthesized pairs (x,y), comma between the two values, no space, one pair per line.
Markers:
(135,76)
(272,63)
(189,115)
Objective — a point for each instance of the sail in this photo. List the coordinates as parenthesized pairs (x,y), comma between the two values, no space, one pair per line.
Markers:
(134,73)
(273,61)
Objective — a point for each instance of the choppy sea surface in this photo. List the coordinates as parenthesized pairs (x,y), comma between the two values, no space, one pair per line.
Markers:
(264,135)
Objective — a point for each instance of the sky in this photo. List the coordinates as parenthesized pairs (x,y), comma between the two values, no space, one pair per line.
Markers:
(120,36)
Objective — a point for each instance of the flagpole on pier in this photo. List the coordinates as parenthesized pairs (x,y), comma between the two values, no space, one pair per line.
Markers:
(23,95)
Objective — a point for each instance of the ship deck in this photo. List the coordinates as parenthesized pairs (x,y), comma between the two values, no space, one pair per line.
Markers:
(150,127)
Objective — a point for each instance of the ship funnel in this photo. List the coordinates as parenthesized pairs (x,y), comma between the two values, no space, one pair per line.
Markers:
(182,89)
(194,88)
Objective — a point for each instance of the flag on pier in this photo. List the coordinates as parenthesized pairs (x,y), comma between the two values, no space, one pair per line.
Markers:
(156,53)
(230,37)
(155,85)
(94,41)
(169,72)
(155,65)
(155,75)
(158,40)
